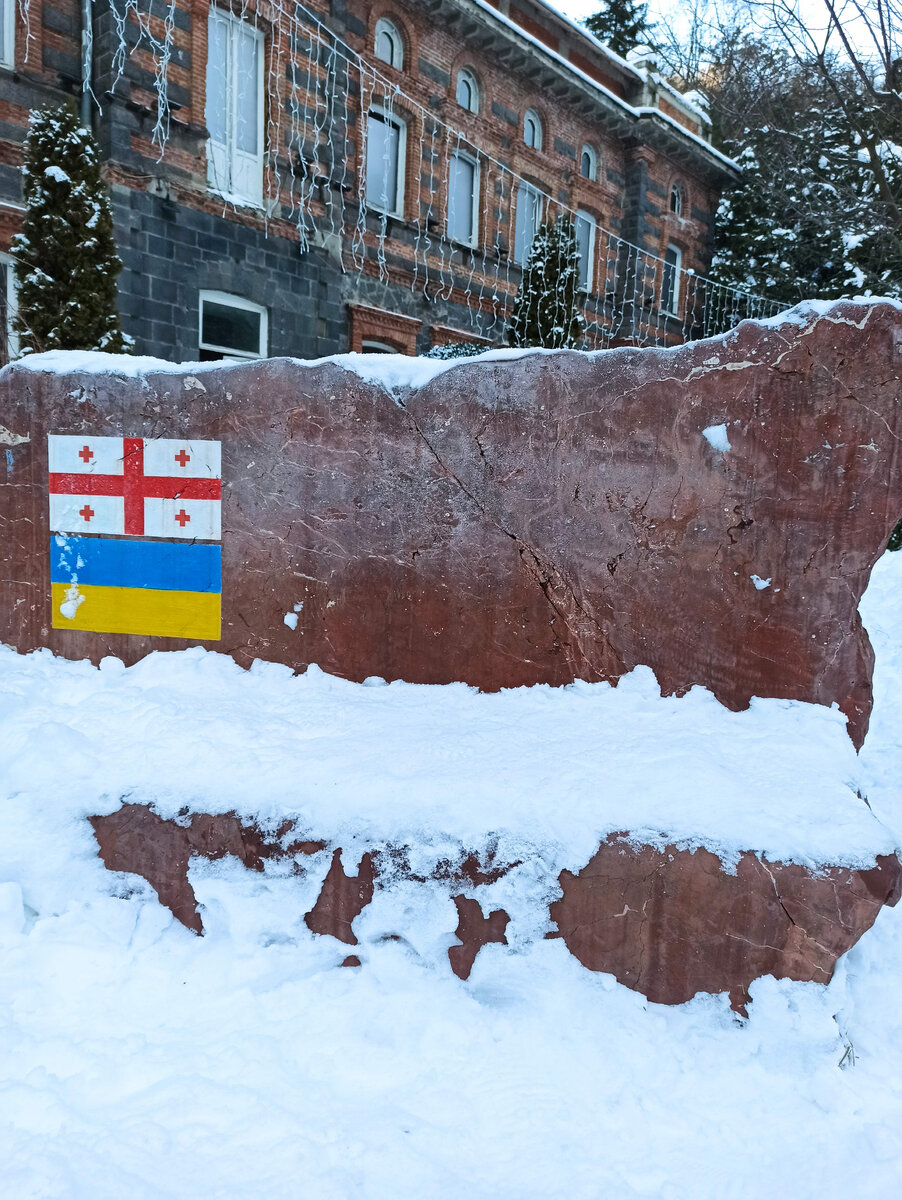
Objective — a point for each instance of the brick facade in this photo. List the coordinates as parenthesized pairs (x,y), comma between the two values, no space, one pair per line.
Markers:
(177,237)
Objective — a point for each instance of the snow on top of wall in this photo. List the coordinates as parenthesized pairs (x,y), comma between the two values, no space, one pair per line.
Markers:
(548,771)
(399,373)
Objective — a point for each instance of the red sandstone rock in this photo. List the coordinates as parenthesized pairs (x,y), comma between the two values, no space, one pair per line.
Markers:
(525,521)
(136,840)
(342,899)
(672,923)
(666,923)
(474,931)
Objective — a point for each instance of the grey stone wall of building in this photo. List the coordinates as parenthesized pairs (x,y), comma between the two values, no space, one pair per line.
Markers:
(170,253)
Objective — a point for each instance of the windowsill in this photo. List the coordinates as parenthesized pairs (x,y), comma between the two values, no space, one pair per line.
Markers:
(383,212)
(238,201)
(467,247)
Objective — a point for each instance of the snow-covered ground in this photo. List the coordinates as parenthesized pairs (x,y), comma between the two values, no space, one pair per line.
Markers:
(139,1061)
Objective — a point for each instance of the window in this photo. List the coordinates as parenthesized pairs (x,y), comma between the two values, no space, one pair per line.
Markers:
(529,217)
(676,200)
(532,129)
(467,90)
(369,346)
(386,142)
(388,45)
(463,193)
(7,28)
(9,338)
(584,228)
(231,327)
(234,112)
(588,163)
(670,281)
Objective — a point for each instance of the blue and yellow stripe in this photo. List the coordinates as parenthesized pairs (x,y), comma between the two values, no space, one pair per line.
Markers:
(158,589)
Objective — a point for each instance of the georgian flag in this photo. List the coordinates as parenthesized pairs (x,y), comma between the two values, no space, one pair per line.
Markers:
(145,487)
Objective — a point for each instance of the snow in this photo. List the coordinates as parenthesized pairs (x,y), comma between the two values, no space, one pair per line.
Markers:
(716,437)
(760,584)
(57,173)
(546,772)
(142,1061)
(398,374)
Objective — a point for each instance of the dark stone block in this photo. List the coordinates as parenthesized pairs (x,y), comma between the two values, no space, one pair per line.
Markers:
(505,113)
(436,74)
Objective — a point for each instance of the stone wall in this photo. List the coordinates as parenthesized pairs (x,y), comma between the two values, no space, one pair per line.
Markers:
(532,519)
(712,512)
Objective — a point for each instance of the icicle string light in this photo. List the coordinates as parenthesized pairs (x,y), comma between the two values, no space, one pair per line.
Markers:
(321,99)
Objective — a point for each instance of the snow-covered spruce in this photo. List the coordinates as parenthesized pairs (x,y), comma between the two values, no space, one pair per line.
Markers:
(66,260)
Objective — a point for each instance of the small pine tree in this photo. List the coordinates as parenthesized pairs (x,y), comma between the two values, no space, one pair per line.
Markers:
(65,256)
(546,308)
(456,350)
(622,25)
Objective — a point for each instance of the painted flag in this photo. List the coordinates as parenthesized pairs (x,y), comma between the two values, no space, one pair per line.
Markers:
(140,487)
(159,589)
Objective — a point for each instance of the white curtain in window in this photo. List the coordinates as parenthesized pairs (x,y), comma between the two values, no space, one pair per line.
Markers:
(383,160)
(462,199)
(584,228)
(670,280)
(529,215)
(234,108)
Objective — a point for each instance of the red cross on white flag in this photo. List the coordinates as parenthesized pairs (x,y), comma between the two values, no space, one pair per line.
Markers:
(145,487)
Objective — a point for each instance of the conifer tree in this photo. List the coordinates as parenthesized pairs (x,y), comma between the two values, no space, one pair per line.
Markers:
(546,308)
(65,256)
(622,25)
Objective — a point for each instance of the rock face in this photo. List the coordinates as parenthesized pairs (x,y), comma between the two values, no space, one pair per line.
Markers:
(135,839)
(666,923)
(672,923)
(711,511)
(474,930)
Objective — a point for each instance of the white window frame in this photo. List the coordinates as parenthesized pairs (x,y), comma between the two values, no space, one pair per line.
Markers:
(391,31)
(224,160)
(582,215)
(232,301)
(466,77)
(532,117)
(12,307)
(8,17)
(389,118)
(670,305)
(680,192)
(474,200)
(539,212)
(592,173)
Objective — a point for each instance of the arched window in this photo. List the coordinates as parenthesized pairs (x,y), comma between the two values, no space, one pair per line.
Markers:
(588,163)
(677,199)
(532,129)
(389,46)
(467,90)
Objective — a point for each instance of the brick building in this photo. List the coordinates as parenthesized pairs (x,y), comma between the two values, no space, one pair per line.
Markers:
(307,178)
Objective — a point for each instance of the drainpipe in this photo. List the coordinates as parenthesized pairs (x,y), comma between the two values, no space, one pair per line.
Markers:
(87,62)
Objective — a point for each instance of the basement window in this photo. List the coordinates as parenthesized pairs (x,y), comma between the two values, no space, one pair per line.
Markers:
(231,327)
(9,338)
